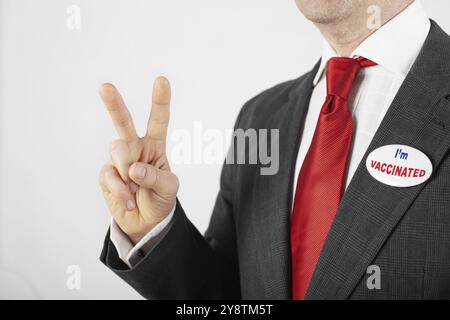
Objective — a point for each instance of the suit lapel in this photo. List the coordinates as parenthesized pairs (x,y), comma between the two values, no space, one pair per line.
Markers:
(272,194)
(369,211)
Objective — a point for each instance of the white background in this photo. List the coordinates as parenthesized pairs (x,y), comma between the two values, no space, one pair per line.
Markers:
(54,131)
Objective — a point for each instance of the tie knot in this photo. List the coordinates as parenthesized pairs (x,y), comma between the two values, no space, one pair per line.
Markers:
(342,72)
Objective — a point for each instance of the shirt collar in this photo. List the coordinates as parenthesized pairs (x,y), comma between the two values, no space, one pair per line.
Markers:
(394,46)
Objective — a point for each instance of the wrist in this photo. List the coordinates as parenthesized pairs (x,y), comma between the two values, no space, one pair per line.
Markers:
(136,237)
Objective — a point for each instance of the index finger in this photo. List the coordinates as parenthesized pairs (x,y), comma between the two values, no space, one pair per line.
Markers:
(160,114)
(118,111)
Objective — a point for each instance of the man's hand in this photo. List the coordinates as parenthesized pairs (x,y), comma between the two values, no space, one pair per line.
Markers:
(139,188)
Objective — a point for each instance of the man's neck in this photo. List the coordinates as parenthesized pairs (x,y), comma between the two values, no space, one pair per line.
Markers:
(346,35)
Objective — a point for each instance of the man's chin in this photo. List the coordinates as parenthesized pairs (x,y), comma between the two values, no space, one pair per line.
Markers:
(325,11)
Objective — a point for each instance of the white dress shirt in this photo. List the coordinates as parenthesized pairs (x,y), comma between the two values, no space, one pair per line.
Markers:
(394,47)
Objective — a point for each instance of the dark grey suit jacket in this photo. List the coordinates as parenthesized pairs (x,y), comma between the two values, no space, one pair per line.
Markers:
(245,251)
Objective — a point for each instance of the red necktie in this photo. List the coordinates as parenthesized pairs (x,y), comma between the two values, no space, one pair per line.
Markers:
(321,180)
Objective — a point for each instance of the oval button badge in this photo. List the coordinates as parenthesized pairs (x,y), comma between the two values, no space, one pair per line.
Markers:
(399,165)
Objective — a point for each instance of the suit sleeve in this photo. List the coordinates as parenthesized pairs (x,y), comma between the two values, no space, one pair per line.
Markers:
(185,264)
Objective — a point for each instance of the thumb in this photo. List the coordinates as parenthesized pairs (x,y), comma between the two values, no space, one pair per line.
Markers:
(147,176)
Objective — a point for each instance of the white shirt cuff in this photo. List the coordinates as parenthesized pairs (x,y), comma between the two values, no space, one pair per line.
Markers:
(123,245)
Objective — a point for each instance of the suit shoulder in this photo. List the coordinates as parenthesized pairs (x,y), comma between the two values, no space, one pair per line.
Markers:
(267,102)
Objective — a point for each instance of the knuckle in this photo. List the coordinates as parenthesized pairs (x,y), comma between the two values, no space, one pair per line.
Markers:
(102,174)
(115,146)
(123,122)
(120,154)
(121,193)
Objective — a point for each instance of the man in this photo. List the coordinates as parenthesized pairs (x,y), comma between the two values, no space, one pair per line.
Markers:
(332,223)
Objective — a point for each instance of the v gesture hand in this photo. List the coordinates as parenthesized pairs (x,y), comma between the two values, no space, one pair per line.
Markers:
(138,186)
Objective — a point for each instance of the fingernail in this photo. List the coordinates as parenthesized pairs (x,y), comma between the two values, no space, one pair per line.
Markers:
(130,205)
(140,172)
